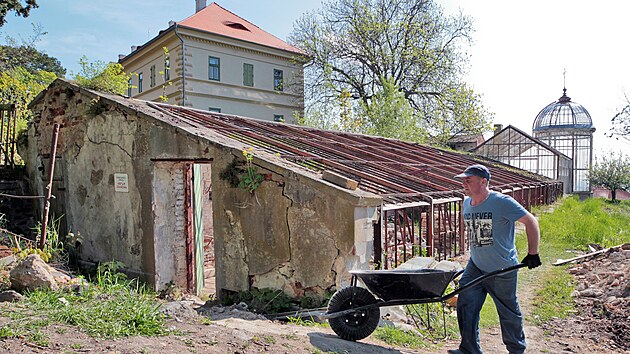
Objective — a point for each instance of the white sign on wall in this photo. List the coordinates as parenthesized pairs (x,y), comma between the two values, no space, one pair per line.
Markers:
(121,182)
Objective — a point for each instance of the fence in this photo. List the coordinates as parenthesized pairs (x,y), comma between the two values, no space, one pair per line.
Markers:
(430,229)
(435,228)
(8,135)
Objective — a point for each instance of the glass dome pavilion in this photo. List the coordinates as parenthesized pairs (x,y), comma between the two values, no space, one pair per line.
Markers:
(567,126)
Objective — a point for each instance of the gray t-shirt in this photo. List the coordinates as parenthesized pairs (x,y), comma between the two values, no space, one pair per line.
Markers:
(490,229)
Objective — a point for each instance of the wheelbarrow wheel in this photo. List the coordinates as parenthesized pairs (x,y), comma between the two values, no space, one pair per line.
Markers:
(355,325)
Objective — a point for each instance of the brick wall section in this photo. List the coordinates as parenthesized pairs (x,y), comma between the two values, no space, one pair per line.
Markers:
(180,222)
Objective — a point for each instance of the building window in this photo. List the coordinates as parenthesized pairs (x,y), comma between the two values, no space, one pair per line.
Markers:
(152,76)
(129,86)
(278,118)
(214,109)
(277,80)
(248,74)
(214,66)
(139,82)
(167,68)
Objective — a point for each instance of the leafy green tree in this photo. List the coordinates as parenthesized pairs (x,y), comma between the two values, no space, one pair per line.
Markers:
(357,46)
(389,114)
(101,76)
(17,6)
(19,86)
(29,58)
(612,172)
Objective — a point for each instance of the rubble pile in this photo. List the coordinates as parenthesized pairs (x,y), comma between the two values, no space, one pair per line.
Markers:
(602,295)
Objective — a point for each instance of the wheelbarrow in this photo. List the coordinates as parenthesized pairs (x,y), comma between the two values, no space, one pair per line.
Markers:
(353,312)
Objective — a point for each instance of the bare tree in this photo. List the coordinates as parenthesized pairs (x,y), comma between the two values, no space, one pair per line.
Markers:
(621,123)
(358,45)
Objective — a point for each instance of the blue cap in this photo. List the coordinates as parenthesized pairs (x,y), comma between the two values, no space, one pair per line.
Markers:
(475,170)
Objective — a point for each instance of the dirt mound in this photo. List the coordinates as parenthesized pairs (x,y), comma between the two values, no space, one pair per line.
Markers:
(603,298)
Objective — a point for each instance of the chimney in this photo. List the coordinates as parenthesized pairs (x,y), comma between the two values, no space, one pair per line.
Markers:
(171,23)
(497,128)
(121,57)
(133,48)
(201,4)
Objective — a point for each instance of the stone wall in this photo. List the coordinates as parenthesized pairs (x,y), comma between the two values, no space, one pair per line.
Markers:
(100,139)
(296,232)
(292,233)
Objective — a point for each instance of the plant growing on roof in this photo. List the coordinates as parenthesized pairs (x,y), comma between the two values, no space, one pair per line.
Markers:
(244,176)
(251,178)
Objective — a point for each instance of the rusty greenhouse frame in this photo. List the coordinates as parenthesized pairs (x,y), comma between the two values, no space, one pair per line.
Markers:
(421,212)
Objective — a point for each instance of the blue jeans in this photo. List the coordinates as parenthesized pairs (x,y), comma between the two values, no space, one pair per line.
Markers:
(502,289)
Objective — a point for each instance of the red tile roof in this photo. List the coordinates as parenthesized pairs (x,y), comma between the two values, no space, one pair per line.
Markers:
(215,19)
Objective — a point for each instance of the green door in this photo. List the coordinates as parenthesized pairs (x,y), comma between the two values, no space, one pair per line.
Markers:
(198,217)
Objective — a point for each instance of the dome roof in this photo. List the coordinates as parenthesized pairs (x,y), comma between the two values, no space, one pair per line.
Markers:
(563,114)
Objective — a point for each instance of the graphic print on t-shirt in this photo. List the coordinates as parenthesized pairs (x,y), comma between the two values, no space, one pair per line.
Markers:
(479,228)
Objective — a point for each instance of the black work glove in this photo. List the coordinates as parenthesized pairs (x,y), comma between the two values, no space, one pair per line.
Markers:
(532,261)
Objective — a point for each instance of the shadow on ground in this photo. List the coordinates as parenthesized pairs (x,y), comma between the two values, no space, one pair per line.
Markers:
(331,343)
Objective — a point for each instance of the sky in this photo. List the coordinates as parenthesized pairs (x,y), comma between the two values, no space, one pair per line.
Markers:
(518,57)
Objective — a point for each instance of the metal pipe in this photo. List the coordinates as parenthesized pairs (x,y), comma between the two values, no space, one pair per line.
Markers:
(53,153)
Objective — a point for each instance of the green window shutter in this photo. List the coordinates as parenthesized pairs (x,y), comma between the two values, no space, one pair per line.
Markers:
(248,74)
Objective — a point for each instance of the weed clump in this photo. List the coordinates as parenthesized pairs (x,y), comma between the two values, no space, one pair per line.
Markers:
(112,307)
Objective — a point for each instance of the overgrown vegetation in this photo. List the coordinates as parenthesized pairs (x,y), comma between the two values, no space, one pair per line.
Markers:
(101,76)
(573,225)
(241,174)
(111,307)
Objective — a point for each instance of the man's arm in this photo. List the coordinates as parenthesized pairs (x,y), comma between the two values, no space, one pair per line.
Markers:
(533,232)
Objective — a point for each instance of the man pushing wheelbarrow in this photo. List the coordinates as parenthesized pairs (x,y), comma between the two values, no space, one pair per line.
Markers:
(490,219)
(492,269)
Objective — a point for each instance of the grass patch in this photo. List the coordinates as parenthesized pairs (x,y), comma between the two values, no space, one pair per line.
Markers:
(576,223)
(573,225)
(398,337)
(306,322)
(113,307)
(554,299)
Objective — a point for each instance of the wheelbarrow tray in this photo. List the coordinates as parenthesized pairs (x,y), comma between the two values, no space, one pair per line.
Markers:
(407,284)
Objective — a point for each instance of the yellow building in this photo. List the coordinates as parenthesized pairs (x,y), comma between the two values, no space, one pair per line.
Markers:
(217,61)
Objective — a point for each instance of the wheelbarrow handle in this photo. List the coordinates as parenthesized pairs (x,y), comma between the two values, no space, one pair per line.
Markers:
(480,279)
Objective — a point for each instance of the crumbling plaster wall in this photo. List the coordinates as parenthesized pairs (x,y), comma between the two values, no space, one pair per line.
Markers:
(293,233)
(98,139)
(296,232)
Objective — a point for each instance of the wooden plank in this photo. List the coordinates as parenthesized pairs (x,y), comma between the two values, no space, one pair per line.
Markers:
(340,180)
(564,261)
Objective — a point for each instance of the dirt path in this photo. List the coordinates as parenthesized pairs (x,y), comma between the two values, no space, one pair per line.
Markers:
(237,335)
(235,331)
